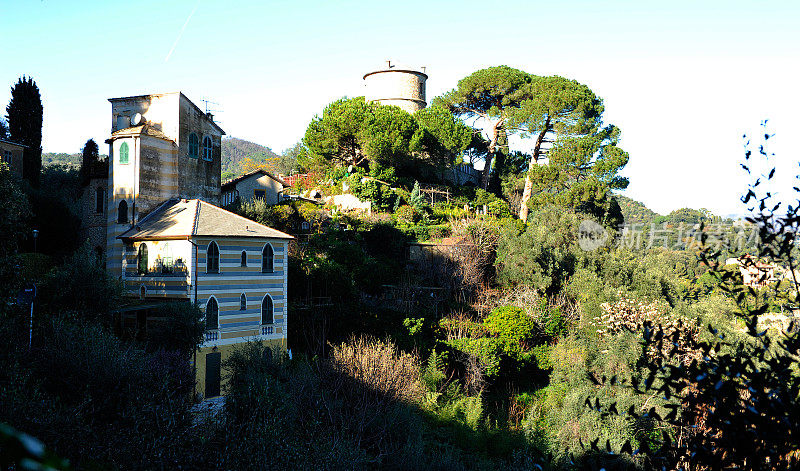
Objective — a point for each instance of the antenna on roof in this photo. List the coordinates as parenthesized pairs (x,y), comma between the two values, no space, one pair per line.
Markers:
(211,111)
(207,102)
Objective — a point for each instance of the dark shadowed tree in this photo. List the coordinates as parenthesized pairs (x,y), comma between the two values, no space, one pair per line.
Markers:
(25,115)
(91,156)
(14,211)
(3,129)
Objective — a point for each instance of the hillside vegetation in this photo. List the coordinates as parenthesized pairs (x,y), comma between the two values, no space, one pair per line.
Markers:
(533,330)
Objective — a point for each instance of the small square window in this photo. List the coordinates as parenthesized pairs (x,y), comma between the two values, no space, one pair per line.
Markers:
(259,194)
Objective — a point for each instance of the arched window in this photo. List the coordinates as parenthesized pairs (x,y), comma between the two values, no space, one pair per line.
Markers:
(122,213)
(100,199)
(212,314)
(267,259)
(142,259)
(207,148)
(212,258)
(123,153)
(266,310)
(242,302)
(193,143)
(244,258)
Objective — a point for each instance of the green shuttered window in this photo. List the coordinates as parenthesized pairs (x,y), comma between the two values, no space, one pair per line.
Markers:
(193,146)
(123,153)
(207,150)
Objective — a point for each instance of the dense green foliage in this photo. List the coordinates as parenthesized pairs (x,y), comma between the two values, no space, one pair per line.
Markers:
(354,132)
(498,344)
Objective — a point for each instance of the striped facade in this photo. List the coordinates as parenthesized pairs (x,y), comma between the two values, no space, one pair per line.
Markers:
(236,325)
(234,280)
(164,188)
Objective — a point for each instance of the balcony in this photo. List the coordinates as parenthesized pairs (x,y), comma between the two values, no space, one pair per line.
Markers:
(266,330)
(212,335)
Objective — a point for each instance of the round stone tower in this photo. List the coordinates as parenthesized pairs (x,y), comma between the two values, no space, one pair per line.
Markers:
(396,86)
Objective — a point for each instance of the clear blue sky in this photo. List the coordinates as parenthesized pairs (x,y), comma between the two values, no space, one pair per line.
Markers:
(683,79)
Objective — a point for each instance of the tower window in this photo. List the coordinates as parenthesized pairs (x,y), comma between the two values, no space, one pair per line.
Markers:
(122,212)
(123,153)
(212,258)
(242,302)
(244,258)
(207,154)
(193,145)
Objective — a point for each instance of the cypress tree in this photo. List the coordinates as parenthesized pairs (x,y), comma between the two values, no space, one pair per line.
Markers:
(25,113)
(91,155)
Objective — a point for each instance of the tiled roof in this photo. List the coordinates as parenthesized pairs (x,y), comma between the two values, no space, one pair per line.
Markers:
(177,219)
(254,172)
(143,129)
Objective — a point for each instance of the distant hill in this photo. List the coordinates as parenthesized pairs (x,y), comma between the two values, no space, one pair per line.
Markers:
(62,158)
(636,212)
(234,150)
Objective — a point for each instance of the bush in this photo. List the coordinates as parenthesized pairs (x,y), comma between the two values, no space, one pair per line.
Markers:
(406,215)
(385,240)
(513,327)
(95,400)
(380,367)
(180,328)
(544,256)
(82,287)
(499,208)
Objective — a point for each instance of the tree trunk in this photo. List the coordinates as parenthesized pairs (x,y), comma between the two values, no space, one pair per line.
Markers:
(526,193)
(487,169)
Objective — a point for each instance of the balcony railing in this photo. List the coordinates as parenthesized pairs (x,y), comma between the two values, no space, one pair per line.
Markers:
(266,330)
(212,335)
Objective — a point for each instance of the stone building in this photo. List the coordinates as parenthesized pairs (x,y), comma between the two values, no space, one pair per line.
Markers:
(233,268)
(11,153)
(401,87)
(258,184)
(167,239)
(161,146)
(94,207)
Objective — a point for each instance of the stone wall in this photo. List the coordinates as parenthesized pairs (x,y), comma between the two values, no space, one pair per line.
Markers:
(398,87)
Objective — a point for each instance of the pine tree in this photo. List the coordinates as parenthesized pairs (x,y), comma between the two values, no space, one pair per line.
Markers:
(25,115)
(416,198)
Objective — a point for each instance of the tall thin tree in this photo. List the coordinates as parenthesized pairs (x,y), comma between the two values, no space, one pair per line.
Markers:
(25,114)
(91,155)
